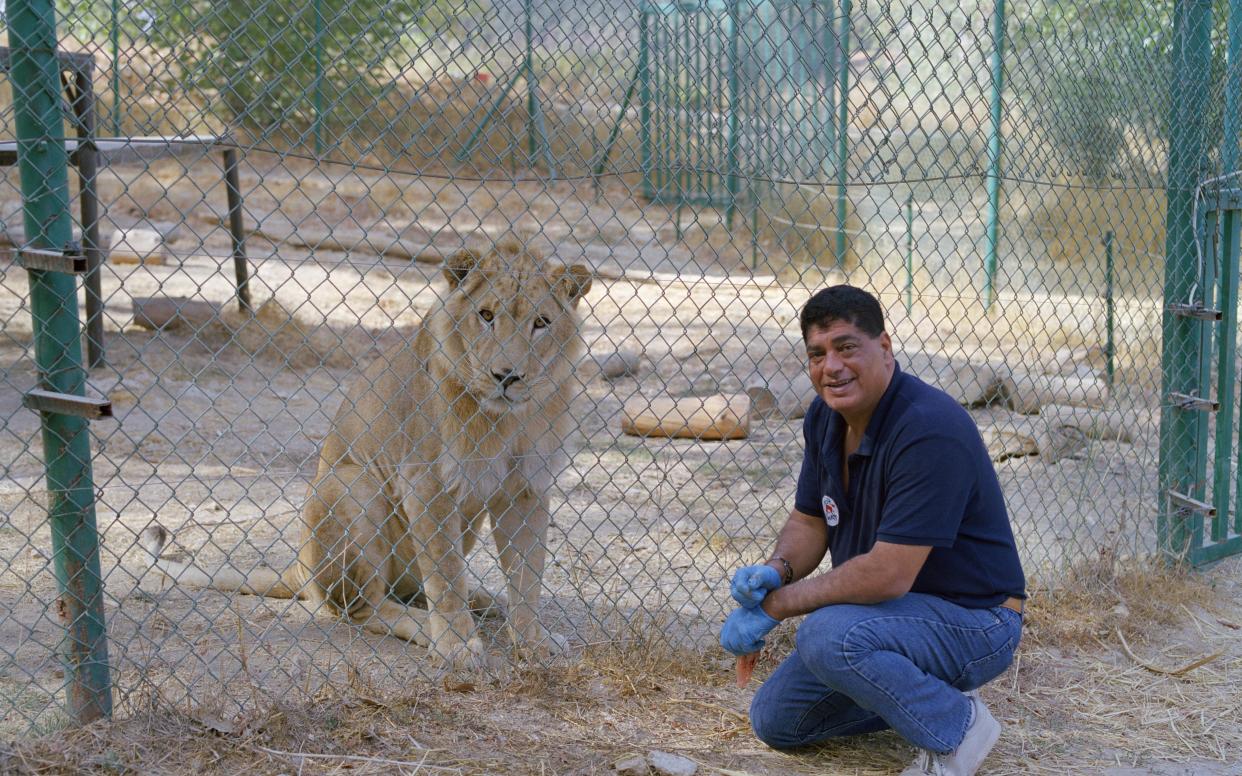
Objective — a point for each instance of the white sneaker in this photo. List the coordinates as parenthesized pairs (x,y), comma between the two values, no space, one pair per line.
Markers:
(980,737)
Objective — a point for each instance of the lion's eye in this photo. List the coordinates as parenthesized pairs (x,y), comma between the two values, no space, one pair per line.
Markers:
(542,322)
(487,315)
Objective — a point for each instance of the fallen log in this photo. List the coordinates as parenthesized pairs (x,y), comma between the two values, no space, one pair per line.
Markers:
(779,395)
(717,417)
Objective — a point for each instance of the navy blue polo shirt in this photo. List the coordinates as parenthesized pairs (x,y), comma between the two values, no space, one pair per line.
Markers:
(921,476)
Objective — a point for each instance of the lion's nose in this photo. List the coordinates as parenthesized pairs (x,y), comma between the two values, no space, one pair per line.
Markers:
(506,377)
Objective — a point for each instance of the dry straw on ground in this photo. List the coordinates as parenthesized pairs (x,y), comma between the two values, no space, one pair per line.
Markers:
(1078,700)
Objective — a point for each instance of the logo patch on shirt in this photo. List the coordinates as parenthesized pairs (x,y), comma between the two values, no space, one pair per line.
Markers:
(831,513)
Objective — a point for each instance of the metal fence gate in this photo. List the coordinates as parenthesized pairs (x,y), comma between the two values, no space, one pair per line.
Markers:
(1199,453)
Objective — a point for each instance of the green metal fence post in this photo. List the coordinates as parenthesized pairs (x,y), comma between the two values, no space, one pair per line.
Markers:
(1226,386)
(644,92)
(909,253)
(1109,309)
(43,168)
(994,151)
(1191,72)
(116,67)
(734,110)
(318,87)
(843,132)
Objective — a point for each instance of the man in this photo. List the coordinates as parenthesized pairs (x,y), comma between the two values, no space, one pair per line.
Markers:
(924,598)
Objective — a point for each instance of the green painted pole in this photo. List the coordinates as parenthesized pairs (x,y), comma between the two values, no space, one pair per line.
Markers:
(994,152)
(909,253)
(1226,386)
(640,76)
(644,94)
(43,168)
(734,110)
(1191,72)
(318,90)
(1206,236)
(831,76)
(528,67)
(116,68)
(536,130)
(843,133)
(1109,310)
(464,154)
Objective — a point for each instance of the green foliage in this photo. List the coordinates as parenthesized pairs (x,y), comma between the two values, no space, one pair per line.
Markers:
(95,20)
(266,60)
(1101,71)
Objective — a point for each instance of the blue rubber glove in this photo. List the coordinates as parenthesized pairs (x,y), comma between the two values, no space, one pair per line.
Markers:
(752,583)
(743,632)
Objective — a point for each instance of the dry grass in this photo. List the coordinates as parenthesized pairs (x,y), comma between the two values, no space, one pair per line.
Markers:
(1075,701)
(1071,224)
(1107,599)
(801,226)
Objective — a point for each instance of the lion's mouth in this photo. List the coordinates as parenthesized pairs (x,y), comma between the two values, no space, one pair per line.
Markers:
(506,398)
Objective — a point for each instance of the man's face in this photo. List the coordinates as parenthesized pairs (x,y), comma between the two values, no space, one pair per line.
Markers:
(849,369)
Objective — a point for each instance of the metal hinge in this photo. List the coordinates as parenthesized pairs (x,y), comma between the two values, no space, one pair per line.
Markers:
(1223,199)
(70,261)
(1196,310)
(1184,502)
(67,404)
(1184,401)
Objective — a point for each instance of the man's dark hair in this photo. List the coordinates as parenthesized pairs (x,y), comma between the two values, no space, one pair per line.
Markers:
(843,303)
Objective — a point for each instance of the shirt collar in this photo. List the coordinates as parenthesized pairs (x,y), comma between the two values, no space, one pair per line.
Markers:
(880,413)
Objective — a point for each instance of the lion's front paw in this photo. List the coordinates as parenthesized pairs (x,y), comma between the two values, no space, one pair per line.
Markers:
(538,642)
(459,653)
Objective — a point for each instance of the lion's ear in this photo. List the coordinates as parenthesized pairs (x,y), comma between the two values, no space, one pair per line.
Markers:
(457,266)
(573,282)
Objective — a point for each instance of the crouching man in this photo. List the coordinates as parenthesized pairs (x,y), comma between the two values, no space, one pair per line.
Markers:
(923,602)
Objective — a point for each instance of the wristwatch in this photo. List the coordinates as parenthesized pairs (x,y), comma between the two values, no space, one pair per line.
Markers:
(788,576)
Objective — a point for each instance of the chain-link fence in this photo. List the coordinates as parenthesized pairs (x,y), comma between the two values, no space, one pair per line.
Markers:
(275,191)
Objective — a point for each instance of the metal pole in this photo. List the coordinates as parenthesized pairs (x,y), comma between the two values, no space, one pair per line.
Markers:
(1109,347)
(116,68)
(994,151)
(644,95)
(241,270)
(1226,386)
(843,133)
(734,110)
(602,164)
(88,194)
(318,91)
(529,70)
(909,253)
(43,168)
(1191,71)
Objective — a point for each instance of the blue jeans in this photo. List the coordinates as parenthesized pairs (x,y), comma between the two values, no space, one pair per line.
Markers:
(902,664)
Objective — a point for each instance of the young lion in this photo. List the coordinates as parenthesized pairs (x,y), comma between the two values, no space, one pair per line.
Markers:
(463,419)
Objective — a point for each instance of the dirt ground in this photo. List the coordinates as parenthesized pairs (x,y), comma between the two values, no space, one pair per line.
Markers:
(1090,708)
(216,430)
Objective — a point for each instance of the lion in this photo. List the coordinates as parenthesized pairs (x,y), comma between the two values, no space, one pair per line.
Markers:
(464,418)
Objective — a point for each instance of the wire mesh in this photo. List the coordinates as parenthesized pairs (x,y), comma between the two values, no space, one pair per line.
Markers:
(710,164)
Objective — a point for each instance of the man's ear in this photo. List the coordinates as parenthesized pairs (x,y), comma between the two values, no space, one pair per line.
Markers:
(572,282)
(457,266)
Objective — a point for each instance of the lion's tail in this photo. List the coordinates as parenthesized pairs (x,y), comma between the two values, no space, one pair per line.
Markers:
(258,581)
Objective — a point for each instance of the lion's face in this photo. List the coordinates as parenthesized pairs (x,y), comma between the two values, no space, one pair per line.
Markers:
(514,316)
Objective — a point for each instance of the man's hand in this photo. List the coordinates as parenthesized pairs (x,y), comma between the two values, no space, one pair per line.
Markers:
(752,583)
(743,632)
